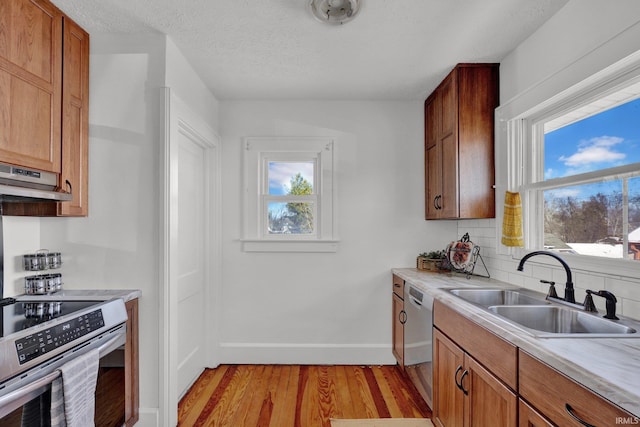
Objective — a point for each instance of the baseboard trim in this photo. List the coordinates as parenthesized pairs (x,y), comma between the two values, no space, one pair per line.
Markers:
(305,354)
(148,417)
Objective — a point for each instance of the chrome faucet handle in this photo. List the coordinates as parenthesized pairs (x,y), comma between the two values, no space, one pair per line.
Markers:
(589,304)
(552,288)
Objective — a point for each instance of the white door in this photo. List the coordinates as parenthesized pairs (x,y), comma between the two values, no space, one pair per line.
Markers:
(191,256)
(191,253)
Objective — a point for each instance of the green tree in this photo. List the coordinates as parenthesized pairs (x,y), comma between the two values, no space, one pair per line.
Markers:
(300,213)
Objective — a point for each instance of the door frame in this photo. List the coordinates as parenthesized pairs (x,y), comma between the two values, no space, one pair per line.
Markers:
(178,117)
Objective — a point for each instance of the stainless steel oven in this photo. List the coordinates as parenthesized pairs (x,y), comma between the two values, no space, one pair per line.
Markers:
(38,338)
(418,335)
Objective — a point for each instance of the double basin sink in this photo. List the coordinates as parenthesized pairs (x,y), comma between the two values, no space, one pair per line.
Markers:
(533,313)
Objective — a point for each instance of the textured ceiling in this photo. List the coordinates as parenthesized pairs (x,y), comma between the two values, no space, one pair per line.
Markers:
(275,49)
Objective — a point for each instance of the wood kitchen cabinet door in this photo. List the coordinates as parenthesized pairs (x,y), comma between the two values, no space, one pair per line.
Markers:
(489,402)
(398,329)
(30,84)
(459,141)
(529,417)
(465,393)
(75,123)
(448,399)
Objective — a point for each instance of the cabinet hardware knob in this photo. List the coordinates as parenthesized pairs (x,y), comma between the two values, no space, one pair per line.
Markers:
(569,410)
(402,317)
(66,181)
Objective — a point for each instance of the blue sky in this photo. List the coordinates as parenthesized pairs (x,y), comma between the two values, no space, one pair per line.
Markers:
(608,139)
(280,174)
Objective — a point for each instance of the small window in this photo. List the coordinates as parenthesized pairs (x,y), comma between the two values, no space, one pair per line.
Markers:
(290,200)
(289,195)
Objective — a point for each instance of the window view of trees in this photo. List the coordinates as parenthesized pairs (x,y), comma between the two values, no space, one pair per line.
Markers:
(593,225)
(293,217)
(591,175)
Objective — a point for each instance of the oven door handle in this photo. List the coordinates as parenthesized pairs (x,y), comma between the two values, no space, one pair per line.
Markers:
(11,401)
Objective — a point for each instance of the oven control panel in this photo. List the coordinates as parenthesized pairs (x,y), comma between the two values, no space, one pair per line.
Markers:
(40,343)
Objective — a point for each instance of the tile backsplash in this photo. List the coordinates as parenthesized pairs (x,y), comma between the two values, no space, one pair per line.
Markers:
(503,268)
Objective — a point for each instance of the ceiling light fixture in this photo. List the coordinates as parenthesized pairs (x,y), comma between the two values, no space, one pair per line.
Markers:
(334,11)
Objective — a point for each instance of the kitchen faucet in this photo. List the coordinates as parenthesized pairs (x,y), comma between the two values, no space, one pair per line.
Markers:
(569,294)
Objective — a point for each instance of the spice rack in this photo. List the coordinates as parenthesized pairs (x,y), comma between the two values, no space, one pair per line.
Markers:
(44,283)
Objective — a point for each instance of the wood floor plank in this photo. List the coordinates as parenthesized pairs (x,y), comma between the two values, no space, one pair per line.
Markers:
(345,405)
(298,396)
(378,398)
(247,411)
(193,403)
(285,397)
(359,389)
(389,393)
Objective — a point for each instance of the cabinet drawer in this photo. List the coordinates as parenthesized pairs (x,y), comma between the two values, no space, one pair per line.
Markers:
(549,391)
(497,355)
(398,286)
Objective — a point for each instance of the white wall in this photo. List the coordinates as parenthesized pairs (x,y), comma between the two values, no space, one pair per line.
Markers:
(335,307)
(582,39)
(117,246)
(187,85)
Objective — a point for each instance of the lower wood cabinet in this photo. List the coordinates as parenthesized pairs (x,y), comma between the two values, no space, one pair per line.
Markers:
(529,417)
(466,393)
(562,401)
(480,379)
(131,366)
(399,318)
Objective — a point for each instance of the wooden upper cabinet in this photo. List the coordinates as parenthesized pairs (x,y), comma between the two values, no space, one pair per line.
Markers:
(459,137)
(75,120)
(30,84)
(44,101)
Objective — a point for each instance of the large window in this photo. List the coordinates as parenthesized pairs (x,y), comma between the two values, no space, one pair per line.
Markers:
(288,195)
(584,187)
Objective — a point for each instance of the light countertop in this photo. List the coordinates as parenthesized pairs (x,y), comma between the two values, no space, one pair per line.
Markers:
(607,366)
(84,295)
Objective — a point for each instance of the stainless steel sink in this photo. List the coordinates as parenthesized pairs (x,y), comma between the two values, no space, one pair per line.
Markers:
(550,320)
(532,313)
(490,297)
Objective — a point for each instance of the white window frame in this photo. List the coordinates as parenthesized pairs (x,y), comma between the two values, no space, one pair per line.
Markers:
(523,134)
(258,152)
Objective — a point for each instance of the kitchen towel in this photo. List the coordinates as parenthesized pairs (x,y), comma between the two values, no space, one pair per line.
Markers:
(73,394)
(512,220)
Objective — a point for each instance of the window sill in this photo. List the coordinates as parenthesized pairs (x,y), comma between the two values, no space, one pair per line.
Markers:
(263,245)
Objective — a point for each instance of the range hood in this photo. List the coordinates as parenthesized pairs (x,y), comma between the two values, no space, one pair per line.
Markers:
(18,184)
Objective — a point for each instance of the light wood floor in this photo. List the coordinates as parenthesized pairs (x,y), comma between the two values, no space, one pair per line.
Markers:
(298,396)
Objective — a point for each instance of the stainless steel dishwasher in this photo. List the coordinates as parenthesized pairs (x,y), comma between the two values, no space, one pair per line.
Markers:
(418,336)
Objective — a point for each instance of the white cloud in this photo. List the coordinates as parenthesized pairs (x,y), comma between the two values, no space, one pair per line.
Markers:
(549,173)
(595,150)
(280,173)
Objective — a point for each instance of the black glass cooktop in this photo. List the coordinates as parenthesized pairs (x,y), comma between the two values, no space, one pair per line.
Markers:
(20,315)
